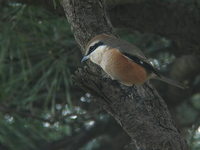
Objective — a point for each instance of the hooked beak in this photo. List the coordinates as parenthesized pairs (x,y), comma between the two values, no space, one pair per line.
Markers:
(85,58)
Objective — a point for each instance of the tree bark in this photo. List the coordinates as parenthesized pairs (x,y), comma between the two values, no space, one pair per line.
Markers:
(140,110)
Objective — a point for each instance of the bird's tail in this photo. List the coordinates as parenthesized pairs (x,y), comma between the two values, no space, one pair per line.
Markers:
(171,82)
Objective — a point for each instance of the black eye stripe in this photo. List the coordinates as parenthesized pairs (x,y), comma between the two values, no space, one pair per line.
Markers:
(92,48)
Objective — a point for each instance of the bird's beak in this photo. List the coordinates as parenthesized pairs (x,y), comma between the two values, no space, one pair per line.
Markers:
(85,58)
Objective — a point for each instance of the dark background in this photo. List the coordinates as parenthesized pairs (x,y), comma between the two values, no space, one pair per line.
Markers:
(40,105)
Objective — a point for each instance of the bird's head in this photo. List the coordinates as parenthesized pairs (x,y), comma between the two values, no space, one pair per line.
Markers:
(96,48)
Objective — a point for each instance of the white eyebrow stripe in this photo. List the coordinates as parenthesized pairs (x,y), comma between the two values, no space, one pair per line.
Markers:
(93,43)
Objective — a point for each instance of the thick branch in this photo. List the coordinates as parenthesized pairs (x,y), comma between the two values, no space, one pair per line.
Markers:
(139,110)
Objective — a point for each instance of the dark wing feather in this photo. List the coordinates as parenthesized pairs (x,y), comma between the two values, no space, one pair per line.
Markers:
(144,64)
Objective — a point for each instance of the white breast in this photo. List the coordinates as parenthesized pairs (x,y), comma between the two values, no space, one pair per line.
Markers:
(97,55)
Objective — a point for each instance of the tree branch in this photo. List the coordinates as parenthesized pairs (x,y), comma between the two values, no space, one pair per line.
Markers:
(140,111)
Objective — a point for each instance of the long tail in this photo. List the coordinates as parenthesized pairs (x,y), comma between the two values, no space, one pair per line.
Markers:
(170,81)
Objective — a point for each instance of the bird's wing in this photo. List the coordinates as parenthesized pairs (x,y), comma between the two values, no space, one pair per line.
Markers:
(124,46)
(132,52)
(143,63)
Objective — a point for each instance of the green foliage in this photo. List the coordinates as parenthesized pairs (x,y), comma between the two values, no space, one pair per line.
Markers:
(27,133)
(187,114)
(34,57)
(35,75)
(195,100)
(56,3)
(194,137)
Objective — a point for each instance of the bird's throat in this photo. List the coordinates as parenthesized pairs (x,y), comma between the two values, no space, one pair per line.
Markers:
(97,56)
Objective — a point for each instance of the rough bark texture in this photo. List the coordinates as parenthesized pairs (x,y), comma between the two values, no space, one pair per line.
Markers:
(140,111)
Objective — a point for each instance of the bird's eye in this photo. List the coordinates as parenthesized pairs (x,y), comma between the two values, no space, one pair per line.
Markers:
(91,49)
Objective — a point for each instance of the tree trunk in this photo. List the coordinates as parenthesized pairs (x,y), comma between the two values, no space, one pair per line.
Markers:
(140,110)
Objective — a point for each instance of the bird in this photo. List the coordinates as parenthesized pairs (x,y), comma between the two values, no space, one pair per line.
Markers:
(123,61)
